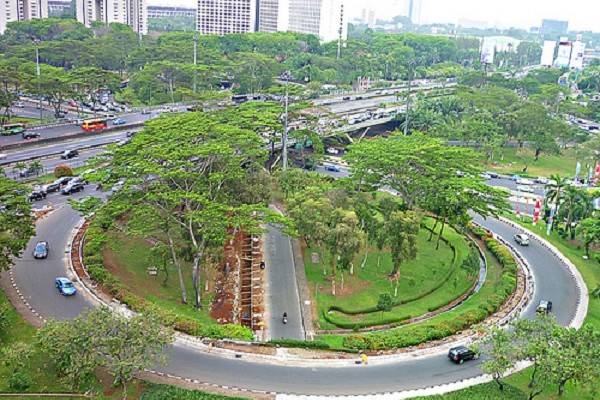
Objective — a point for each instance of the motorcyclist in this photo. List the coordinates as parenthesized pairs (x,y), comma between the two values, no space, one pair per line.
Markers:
(285,318)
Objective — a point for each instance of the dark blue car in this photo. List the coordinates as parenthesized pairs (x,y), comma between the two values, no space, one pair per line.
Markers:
(65,286)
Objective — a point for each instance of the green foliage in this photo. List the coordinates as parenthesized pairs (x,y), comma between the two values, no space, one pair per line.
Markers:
(435,330)
(87,205)
(164,392)
(63,170)
(4,315)
(385,302)
(19,381)
(16,221)
(303,344)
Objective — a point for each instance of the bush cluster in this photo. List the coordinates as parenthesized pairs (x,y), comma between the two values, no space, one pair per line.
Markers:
(303,344)
(420,333)
(95,240)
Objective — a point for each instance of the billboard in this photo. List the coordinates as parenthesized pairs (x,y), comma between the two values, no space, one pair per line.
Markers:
(548,53)
(488,51)
(577,55)
(563,59)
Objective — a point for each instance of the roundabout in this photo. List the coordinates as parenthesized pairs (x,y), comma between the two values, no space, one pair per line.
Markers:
(286,374)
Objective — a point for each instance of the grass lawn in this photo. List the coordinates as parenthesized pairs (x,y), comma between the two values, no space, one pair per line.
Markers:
(512,161)
(362,289)
(494,274)
(129,258)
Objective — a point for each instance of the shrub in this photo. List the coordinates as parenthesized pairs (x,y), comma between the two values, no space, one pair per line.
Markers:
(417,334)
(19,381)
(4,310)
(63,170)
(318,345)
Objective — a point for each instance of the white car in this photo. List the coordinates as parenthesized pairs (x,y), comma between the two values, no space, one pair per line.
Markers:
(332,150)
(525,189)
(19,104)
(522,239)
(524,181)
(542,180)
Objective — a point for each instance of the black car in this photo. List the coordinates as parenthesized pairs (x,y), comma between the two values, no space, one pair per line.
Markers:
(461,354)
(72,187)
(346,98)
(544,307)
(53,187)
(67,154)
(41,250)
(63,180)
(37,195)
(30,135)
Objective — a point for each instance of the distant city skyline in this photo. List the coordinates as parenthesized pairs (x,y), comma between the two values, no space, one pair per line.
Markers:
(581,14)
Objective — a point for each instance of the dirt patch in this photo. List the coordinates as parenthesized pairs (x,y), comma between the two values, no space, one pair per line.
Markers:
(223,308)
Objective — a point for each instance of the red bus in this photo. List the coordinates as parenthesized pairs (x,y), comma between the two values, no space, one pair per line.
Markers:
(92,125)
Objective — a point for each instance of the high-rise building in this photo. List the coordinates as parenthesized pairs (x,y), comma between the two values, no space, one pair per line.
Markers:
(130,12)
(166,11)
(222,17)
(554,27)
(56,8)
(21,10)
(324,18)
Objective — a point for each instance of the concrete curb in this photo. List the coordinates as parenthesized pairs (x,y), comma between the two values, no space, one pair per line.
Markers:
(583,300)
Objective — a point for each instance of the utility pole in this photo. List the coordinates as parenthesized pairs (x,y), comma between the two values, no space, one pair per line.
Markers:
(340,32)
(284,138)
(410,77)
(196,38)
(38,74)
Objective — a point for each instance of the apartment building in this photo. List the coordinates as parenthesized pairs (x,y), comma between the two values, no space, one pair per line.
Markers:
(130,12)
(166,11)
(21,10)
(323,18)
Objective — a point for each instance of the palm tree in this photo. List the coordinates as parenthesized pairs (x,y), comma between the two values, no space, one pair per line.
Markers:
(554,193)
(589,229)
(36,167)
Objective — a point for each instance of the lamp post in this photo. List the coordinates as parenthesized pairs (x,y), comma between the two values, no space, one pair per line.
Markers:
(38,74)
(196,38)
(284,140)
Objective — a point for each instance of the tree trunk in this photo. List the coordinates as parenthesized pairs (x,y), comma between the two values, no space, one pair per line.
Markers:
(364,262)
(534,393)
(433,229)
(561,387)
(124,393)
(437,246)
(533,375)
(499,383)
(196,281)
(179,272)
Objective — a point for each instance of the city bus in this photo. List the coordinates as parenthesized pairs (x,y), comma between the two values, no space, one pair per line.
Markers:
(12,129)
(96,124)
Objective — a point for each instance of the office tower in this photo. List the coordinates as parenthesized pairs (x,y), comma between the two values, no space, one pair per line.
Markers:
(324,18)
(554,27)
(273,15)
(130,12)
(221,17)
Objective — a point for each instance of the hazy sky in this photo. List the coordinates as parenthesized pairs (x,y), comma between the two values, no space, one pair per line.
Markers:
(581,14)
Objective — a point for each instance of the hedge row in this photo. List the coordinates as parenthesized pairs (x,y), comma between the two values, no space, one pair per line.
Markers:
(95,240)
(356,325)
(419,296)
(432,330)
(318,345)
(164,392)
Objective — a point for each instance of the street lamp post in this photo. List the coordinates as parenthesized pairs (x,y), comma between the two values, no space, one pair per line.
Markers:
(38,74)
(284,139)
(195,57)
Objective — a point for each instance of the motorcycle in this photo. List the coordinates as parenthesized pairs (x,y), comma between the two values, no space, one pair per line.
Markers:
(285,318)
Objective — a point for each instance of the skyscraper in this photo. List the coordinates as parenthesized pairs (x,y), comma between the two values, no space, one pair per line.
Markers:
(130,12)
(21,10)
(324,18)
(221,17)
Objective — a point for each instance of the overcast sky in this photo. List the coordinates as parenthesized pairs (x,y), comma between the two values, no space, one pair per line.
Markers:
(581,14)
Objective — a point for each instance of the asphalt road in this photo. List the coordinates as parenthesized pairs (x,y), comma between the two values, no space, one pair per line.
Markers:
(283,290)
(71,129)
(35,280)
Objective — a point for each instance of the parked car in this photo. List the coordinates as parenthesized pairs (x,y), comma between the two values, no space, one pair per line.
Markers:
(37,195)
(30,135)
(524,181)
(145,111)
(65,286)
(461,354)
(542,180)
(333,150)
(19,104)
(522,239)
(68,154)
(492,174)
(332,168)
(346,98)
(119,121)
(544,307)
(485,176)
(63,180)
(72,187)
(41,250)
(26,172)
